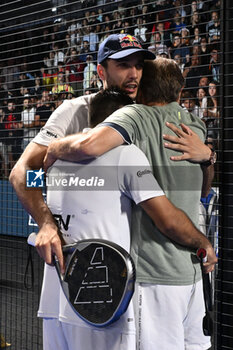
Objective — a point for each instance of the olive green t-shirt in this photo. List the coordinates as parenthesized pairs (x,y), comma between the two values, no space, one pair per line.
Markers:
(158,259)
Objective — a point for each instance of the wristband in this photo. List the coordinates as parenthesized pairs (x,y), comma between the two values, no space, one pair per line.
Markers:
(212,160)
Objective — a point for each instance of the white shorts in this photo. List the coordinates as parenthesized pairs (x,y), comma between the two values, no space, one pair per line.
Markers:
(63,336)
(170,317)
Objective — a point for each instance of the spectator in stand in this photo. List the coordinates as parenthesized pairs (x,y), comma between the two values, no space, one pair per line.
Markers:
(88,72)
(24,91)
(177,24)
(214,30)
(192,72)
(164,35)
(22,81)
(211,112)
(214,64)
(155,42)
(178,60)
(132,13)
(204,51)
(49,80)
(95,84)
(10,72)
(115,16)
(37,89)
(28,122)
(127,27)
(162,51)
(175,47)
(44,111)
(195,50)
(85,50)
(203,8)
(49,63)
(193,7)
(201,101)
(141,3)
(61,85)
(59,55)
(98,30)
(141,31)
(106,32)
(74,72)
(212,106)
(100,15)
(12,127)
(188,102)
(93,18)
(68,46)
(78,34)
(71,32)
(26,68)
(146,15)
(91,37)
(196,38)
(204,82)
(68,54)
(178,49)
(185,44)
(213,27)
(86,18)
(116,26)
(195,21)
(178,6)
(107,19)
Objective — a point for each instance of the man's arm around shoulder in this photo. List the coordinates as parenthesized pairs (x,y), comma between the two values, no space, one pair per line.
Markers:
(78,147)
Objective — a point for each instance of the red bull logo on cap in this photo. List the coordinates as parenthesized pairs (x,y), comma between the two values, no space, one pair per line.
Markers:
(129,41)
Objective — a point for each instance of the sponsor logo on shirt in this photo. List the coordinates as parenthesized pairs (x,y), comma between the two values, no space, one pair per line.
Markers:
(49,133)
(63,222)
(140,173)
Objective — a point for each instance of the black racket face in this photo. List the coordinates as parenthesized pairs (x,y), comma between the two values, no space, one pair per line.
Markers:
(97,278)
(207,325)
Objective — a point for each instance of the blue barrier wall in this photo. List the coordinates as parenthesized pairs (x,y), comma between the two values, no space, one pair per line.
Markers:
(14,220)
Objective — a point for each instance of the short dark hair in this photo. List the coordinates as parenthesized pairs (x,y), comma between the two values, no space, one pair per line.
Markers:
(161,81)
(105,102)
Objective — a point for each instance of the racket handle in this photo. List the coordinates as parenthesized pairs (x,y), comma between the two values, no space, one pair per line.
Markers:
(202,255)
(32,239)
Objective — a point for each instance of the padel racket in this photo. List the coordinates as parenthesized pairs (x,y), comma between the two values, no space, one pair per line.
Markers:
(99,279)
(207,323)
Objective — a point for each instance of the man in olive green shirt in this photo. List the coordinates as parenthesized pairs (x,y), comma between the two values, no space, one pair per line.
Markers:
(168,273)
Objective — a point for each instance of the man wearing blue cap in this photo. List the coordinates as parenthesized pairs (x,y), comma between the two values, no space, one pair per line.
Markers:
(122,55)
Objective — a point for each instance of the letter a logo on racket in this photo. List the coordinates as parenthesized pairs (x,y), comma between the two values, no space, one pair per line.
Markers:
(95,282)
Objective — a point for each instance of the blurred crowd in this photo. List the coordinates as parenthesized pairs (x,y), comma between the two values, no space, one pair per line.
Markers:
(46,65)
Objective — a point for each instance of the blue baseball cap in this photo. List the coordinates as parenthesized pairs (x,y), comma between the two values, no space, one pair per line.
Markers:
(117,46)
